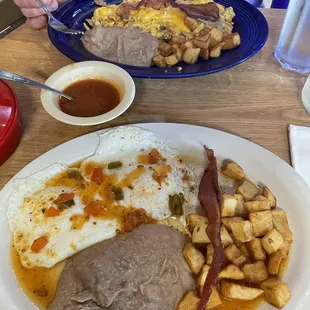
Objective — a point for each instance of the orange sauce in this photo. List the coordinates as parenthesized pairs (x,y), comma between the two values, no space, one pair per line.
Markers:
(91,97)
(39,283)
(229,304)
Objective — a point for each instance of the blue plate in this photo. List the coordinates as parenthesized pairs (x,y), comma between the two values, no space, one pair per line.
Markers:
(250,23)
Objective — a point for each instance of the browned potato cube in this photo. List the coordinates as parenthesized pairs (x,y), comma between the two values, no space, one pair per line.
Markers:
(256,205)
(191,23)
(242,231)
(280,223)
(204,53)
(259,198)
(274,262)
(200,234)
(225,237)
(188,302)
(177,40)
(210,253)
(262,222)
(177,51)
(186,45)
(204,31)
(228,205)
(191,55)
(241,210)
(201,279)
(285,248)
(276,292)
(231,41)
(216,37)
(227,220)
(171,60)
(256,272)
(256,250)
(243,248)
(233,170)
(240,292)
(248,190)
(270,196)
(272,241)
(214,300)
(231,272)
(215,51)
(165,49)
(159,61)
(194,219)
(234,255)
(200,44)
(193,257)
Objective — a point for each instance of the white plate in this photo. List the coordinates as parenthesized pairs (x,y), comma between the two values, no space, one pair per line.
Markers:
(261,165)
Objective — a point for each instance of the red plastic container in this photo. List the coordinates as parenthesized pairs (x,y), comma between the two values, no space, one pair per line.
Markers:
(10,126)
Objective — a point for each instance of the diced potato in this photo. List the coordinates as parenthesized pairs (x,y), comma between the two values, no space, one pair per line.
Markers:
(204,53)
(236,291)
(159,61)
(206,38)
(285,248)
(259,198)
(225,237)
(256,272)
(270,196)
(171,60)
(194,219)
(232,272)
(242,231)
(165,49)
(189,302)
(193,257)
(216,37)
(204,31)
(257,206)
(177,40)
(272,241)
(248,190)
(191,55)
(276,292)
(262,222)
(274,262)
(243,248)
(177,51)
(200,234)
(200,44)
(191,23)
(227,220)
(233,170)
(214,300)
(201,279)
(210,253)
(280,223)
(186,45)
(231,41)
(234,255)
(256,250)
(241,210)
(215,51)
(228,205)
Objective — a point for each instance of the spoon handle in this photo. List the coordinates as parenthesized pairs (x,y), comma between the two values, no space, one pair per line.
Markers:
(17,78)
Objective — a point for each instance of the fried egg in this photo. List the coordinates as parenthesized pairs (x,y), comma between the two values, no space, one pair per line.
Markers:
(52,213)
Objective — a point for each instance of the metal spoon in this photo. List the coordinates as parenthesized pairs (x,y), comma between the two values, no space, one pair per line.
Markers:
(5,75)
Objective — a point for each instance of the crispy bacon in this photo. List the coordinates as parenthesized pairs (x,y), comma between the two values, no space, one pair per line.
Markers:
(202,12)
(210,198)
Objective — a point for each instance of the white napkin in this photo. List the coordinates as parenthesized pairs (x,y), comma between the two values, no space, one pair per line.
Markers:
(299,137)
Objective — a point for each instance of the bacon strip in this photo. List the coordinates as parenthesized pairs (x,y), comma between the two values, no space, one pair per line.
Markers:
(210,198)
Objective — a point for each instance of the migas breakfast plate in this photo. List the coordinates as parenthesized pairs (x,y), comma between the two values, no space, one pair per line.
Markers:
(250,23)
(289,188)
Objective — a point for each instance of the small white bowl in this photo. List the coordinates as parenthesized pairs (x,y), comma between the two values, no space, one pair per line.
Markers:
(83,71)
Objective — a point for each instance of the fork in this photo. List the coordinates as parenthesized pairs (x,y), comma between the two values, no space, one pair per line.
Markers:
(55,23)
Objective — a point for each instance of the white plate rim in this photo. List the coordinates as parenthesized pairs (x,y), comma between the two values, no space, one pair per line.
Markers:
(264,166)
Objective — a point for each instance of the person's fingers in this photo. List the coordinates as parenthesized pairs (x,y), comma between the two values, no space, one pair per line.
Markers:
(34,4)
(33,12)
(37,22)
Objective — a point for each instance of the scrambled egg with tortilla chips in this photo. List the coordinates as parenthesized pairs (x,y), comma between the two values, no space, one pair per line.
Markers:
(162,23)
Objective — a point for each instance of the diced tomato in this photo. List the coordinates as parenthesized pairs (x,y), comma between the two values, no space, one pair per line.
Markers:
(136,218)
(97,175)
(78,221)
(51,212)
(64,197)
(94,208)
(154,156)
(38,244)
(161,172)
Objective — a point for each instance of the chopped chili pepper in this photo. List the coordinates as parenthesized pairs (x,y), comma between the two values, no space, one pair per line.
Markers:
(38,244)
